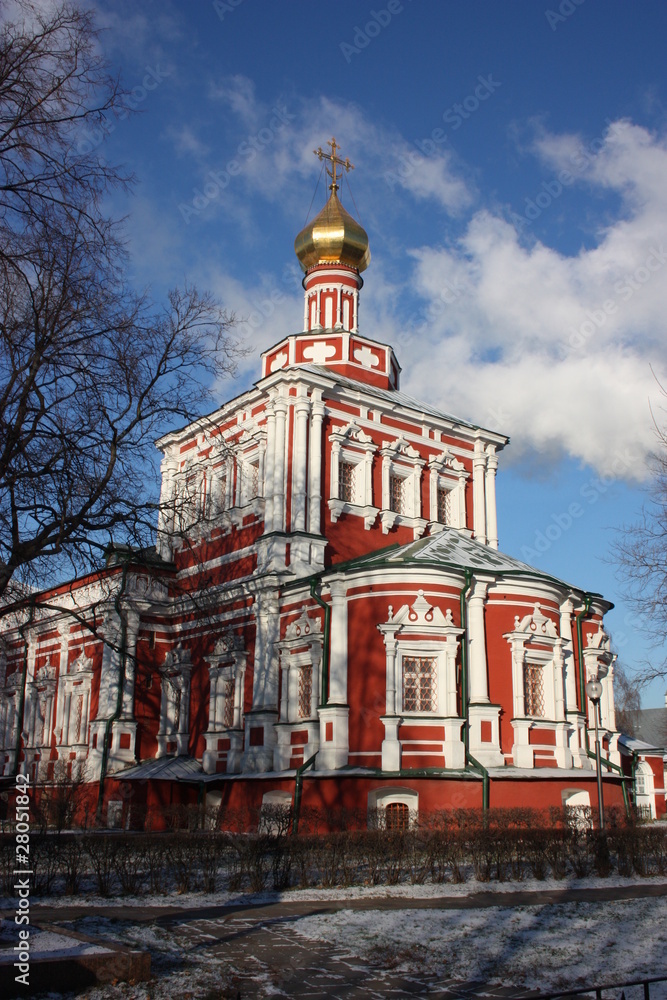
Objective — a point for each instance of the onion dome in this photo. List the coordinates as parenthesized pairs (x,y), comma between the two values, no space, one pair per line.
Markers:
(333,237)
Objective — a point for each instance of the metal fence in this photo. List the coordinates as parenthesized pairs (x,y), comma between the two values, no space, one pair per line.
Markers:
(636,989)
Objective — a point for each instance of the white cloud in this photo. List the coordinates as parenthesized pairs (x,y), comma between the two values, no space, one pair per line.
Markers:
(556,349)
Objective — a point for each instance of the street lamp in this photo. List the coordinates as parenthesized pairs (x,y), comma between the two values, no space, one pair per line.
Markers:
(594,692)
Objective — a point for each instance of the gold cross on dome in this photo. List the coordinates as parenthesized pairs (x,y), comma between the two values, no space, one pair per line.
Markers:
(334,160)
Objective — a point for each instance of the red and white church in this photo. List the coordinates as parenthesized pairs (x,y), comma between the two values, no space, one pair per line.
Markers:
(327,616)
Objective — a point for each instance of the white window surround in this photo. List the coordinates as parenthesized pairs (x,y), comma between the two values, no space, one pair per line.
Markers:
(39,705)
(227,669)
(446,472)
(175,701)
(275,812)
(400,459)
(535,640)
(73,708)
(380,798)
(399,633)
(350,445)
(301,647)
(226,663)
(645,788)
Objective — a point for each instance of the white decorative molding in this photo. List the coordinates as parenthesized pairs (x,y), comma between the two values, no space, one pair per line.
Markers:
(421,630)
(175,701)
(351,446)
(401,460)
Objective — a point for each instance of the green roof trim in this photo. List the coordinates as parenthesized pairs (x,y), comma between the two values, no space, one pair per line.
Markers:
(449,549)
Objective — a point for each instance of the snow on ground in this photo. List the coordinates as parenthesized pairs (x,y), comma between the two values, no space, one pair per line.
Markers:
(195,900)
(542,947)
(41,942)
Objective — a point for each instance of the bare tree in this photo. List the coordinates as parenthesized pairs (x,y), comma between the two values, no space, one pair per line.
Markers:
(90,370)
(640,552)
(627,700)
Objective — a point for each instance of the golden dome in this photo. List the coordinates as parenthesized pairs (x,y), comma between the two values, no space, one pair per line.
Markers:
(333,237)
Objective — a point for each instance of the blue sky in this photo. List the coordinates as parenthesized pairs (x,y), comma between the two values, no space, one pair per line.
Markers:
(510,165)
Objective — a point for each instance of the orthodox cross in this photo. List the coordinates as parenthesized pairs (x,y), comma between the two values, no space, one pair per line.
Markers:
(334,160)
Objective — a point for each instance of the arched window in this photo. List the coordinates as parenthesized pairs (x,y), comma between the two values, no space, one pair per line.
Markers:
(397,816)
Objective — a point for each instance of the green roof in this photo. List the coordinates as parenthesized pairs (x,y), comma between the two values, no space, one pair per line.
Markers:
(449,549)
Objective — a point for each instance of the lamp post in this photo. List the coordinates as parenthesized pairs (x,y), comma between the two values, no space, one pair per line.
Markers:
(594,692)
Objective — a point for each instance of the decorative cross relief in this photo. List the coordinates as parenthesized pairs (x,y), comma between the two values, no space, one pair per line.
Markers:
(320,352)
(279,361)
(365,357)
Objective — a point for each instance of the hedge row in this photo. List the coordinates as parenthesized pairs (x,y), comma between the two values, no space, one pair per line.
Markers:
(454,847)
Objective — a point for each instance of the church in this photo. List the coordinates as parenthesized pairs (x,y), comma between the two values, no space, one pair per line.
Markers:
(327,621)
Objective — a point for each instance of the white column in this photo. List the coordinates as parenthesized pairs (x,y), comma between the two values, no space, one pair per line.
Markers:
(166,510)
(479,691)
(131,634)
(315,459)
(338,654)
(558,681)
(568,651)
(390,683)
(212,698)
(66,715)
(306,310)
(355,310)
(269,467)
(265,674)
(479,505)
(85,708)
(491,515)
(280,407)
(299,459)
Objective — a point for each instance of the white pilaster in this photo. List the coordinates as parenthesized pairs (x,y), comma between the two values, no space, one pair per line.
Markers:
(280,409)
(490,482)
(570,666)
(131,634)
(338,652)
(478,489)
(299,459)
(269,467)
(315,463)
(479,691)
